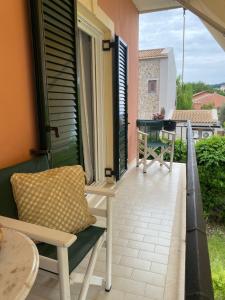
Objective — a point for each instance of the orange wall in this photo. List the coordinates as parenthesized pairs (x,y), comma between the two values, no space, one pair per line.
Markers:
(125,17)
(17,110)
(17,123)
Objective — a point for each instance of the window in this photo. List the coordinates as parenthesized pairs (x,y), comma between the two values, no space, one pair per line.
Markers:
(152,86)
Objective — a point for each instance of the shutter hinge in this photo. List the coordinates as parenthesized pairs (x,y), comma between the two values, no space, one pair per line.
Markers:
(109,172)
(107,45)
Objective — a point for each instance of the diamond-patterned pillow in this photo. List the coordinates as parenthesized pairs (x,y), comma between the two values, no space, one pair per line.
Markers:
(53,198)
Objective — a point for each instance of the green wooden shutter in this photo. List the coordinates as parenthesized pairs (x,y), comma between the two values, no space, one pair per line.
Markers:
(120,107)
(54,29)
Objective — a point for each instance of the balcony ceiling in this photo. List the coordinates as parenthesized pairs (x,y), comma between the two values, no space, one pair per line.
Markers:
(144,6)
(210,12)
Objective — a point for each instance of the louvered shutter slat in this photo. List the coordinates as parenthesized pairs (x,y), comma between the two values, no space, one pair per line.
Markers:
(120,107)
(54,32)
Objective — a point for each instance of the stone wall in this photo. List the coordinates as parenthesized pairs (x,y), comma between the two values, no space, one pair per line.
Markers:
(148,103)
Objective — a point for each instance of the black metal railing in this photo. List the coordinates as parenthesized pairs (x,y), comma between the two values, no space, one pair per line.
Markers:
(198,282)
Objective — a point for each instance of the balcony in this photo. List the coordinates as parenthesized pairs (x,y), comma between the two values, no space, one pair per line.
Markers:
(148,240)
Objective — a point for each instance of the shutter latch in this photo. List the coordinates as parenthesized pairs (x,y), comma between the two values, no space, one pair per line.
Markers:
(107,45)
(53,128)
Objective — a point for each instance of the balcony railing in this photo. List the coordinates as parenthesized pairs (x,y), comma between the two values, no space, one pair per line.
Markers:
(198,283)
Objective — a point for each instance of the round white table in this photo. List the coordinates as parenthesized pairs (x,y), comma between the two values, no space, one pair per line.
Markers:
(19,263)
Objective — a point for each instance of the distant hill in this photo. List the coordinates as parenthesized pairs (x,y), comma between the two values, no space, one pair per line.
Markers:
(217,85)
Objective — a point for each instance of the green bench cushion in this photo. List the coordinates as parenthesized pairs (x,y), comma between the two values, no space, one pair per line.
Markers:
(7,204)
(86,239)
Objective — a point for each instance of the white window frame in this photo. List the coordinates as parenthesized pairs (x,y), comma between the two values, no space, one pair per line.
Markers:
(98,103)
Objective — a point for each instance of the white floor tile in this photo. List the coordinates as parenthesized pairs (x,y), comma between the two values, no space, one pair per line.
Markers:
(143,216)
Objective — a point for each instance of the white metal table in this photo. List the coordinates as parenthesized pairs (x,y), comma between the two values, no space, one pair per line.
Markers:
(19,263)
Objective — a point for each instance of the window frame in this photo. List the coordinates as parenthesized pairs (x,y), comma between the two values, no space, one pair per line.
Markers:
(150,82)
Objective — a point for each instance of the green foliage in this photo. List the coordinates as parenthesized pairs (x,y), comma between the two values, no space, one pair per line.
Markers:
(207,106)
(180,151)
(211,166)
(219,92)
(216,244)
(184,95)
(200,86)
(222,114)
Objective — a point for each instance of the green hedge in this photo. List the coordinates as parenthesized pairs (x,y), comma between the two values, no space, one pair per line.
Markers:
(211,166)
(210,154)
(179,151)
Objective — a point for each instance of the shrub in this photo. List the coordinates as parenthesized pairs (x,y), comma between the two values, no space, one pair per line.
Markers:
(184,95)
(211,166)
(207,106)
(179,152)
(218,278)
(216,242)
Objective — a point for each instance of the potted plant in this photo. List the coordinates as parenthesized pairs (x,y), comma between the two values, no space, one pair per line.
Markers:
(159,116)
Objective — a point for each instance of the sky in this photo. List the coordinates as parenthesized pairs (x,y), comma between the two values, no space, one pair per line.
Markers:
(204,58)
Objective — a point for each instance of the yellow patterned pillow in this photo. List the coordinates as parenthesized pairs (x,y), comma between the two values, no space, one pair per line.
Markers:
(53,198)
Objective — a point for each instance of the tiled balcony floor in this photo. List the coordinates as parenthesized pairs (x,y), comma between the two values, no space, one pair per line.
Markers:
(144,214)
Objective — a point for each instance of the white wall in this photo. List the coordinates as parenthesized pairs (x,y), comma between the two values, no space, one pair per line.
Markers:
(163,84)
(171,82)
(167,92)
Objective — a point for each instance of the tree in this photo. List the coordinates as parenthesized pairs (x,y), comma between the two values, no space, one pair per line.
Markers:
(200,87)
(207,106)
(222,114)
(184,95)
(219,92)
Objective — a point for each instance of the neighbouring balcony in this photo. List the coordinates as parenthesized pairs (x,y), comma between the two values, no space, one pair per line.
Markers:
(149,227)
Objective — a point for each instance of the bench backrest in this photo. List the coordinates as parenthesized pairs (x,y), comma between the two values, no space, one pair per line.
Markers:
(152,127)
(7,204)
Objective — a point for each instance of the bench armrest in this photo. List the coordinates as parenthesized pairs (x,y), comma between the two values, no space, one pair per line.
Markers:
(40,233)
(100,191)
(143,133)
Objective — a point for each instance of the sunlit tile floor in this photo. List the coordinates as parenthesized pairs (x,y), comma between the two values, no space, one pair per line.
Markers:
(143,217)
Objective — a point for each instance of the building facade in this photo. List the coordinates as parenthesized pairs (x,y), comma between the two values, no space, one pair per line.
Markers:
(204,123)
(96,21)
(157,82)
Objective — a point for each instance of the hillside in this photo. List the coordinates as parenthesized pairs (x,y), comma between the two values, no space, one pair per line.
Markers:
(217,85)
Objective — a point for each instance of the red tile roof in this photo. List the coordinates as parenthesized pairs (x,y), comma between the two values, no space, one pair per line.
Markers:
(152,53)
(195,116)
(206,98)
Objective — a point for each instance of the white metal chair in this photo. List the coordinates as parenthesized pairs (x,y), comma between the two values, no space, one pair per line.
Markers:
(154,142)
(60,252)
